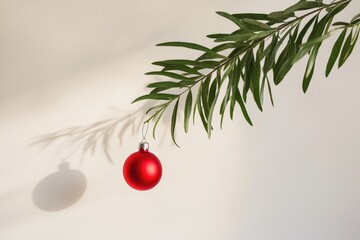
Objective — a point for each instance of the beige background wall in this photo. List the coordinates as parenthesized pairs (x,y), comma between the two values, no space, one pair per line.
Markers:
(71,64)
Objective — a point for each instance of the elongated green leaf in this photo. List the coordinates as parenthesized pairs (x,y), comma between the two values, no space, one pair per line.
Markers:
(205,95)
(203,64)
(335,52)
(345,50)
(303,5)
(207,56)
(249,66)
(239,37)
(234,86)
(353,41)
(212,92)
(209,121)
(357,16)
(255,25)
(270,58)
(255,83)
(281,60)
(262,87)
(260,49)
(285,61)
(284,69)
(165,84)
(235,20)
(266,51)
(226,74)
(225,101)
(310,67)
(174,67)
(191,46)
(188,82)
(305,29)
(213,96)
(173,122)
(159,89)
(240,31)
(153,108)
(341,24)
(338,8)
(157,122)
(232,105)
(225,46)
(281,15)
(318,38)
(187,111)
(168,74)
(197,101)
(217,35)
(242,107)
(305,48)
(185,45)
(318,29)
(255,16)
(157,96)
(356,21)
(294,33)
(270,92)
(202,115)
(237,52)
(260,35)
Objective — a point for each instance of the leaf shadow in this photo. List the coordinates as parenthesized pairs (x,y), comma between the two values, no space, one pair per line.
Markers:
(96,135)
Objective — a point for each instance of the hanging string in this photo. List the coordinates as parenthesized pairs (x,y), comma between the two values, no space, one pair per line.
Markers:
(144,131)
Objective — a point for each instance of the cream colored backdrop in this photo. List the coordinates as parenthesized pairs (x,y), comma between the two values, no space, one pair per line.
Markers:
(78,64)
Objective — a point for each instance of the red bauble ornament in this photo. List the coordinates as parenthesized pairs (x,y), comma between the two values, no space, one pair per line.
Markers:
(142,170)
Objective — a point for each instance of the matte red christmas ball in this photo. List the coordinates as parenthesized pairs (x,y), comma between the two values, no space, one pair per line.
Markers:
(142,170)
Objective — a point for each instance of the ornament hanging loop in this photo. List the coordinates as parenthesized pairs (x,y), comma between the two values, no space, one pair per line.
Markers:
(143,144)
(144,131)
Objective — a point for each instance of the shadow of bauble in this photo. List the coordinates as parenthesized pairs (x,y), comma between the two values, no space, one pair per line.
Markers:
(60,189)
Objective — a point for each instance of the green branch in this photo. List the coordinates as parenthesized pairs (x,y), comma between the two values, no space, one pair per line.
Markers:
(261,44)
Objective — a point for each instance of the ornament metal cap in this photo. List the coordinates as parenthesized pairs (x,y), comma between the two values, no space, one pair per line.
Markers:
(144,146)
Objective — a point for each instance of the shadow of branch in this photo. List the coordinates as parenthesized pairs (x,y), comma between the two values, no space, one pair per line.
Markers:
(97,134)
